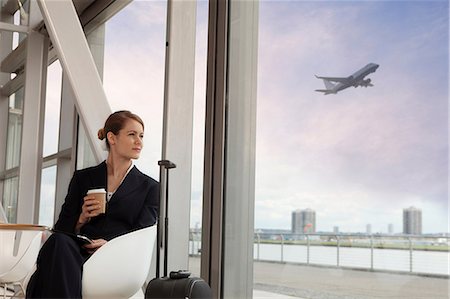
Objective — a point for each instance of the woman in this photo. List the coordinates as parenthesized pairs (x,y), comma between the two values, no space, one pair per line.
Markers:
(132,204)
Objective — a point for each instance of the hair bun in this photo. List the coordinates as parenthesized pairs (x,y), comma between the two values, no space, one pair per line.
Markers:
(101,134)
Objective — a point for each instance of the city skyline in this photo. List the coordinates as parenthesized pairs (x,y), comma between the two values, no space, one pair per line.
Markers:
(411,218)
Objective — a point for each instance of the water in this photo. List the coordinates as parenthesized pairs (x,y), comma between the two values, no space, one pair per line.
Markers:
(416,261)
(431,262)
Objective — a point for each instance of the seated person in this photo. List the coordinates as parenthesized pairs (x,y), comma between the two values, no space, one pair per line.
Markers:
(132,203)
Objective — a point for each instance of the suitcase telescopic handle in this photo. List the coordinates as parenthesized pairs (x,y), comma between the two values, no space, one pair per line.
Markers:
(165,165)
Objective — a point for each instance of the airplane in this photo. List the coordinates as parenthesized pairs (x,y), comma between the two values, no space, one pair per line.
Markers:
(357,79)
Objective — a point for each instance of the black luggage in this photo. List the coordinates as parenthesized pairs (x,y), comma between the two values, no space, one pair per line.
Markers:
(178,284)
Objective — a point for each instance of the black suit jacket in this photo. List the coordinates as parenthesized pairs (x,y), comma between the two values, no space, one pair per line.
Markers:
(134,204)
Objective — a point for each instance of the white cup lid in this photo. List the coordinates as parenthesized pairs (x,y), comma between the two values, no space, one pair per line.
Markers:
(100,190)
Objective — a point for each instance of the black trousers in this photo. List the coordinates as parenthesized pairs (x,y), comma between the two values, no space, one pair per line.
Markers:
(59,269)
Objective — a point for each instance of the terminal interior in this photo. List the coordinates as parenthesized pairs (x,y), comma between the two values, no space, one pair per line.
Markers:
(194,81)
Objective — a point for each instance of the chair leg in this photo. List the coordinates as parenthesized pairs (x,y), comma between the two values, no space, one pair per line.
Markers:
(21,290)
(5,288)
(15,294)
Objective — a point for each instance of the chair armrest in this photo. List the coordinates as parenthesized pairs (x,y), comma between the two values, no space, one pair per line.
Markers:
(13,226)
(119,268)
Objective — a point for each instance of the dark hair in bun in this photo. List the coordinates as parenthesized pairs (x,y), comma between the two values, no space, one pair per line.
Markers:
(101,134)
(115,122)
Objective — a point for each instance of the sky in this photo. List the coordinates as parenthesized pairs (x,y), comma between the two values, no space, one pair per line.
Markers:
(361,156)
(358,157)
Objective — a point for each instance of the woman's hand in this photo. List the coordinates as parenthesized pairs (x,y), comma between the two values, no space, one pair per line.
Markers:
(96,244)
(91,208)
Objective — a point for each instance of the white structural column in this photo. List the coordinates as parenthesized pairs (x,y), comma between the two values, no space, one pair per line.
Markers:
(239,199)
(33,128)
(68,38)
(229,183)
(178,123)
(67,125)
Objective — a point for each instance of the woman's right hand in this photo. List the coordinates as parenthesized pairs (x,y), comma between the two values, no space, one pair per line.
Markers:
(91,208)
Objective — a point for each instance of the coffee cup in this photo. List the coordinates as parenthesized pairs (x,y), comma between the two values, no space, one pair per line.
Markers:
(100,195)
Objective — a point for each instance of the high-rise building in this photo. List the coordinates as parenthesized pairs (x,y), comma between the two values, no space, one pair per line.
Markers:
(303,221)
(412,221)
(390,228)
(369,229)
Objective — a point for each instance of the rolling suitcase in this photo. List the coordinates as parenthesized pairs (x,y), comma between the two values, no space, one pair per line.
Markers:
(178,284)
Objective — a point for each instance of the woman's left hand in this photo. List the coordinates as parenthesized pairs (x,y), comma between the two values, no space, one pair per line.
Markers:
(96,244)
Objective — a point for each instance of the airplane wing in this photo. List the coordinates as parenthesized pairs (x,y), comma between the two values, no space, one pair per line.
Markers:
(325,91)
(336,79)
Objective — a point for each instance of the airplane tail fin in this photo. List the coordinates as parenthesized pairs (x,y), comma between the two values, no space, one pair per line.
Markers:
(328,84)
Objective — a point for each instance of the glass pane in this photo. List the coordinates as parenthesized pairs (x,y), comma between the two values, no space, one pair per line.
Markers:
(15,119)
(134,71)
(85,155)
(20,18)
(52,108)
(339,168)
(10,195)
(47,201)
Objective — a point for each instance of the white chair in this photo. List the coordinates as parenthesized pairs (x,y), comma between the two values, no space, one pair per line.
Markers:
(19,248)
(119,268)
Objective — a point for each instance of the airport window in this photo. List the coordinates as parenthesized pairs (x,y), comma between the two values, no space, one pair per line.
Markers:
(13,147)
(85,156)
(15,120)
(10,195)
(134,68)
(47,197)
(134,71)
(352,149)
(52,108)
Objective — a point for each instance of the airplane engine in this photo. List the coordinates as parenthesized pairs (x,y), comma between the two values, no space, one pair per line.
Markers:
(366,83)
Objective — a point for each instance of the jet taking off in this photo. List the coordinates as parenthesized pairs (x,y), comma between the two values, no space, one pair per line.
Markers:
(335,84)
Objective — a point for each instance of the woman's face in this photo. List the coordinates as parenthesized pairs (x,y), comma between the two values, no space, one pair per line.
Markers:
(129,142)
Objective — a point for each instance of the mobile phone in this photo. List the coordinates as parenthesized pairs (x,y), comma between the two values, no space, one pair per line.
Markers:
(84,240)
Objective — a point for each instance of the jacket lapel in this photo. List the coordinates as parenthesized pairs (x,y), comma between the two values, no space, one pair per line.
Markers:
(129,184)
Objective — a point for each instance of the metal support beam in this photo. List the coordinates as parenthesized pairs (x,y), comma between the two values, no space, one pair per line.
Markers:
(214,165)
(15,59)
(13,28)
(99,12)
(68,39)
(13,85)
